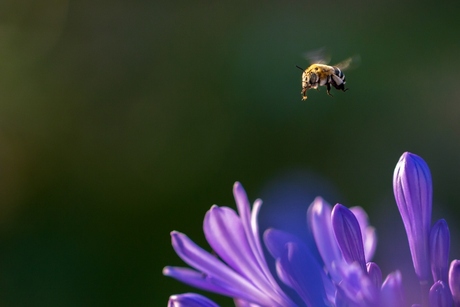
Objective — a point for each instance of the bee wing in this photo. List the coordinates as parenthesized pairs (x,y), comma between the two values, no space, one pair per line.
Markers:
(351,62)
(318,56)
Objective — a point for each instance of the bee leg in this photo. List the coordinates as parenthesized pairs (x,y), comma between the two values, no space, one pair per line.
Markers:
(328,87)
(340,87)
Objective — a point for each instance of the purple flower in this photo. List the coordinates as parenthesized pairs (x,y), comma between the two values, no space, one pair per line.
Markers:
(342,276)
(413,193)
(241,272)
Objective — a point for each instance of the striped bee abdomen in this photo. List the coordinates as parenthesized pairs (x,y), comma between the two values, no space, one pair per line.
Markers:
(338,79)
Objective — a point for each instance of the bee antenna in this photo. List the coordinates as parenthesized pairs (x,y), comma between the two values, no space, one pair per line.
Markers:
(300,68)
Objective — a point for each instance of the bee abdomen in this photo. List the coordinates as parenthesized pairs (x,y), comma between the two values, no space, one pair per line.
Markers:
(338,79)
(339,73)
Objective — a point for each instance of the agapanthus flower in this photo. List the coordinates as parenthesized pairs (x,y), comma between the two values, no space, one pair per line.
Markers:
(343,275)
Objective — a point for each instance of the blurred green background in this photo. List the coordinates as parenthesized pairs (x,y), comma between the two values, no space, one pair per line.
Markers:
(123,120)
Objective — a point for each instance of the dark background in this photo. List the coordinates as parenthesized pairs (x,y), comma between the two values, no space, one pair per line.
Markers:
(123,120)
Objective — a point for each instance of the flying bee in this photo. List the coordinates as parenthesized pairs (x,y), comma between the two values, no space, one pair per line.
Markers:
(320,74)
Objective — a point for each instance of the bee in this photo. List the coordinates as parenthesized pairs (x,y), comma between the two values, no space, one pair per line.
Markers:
(320,74)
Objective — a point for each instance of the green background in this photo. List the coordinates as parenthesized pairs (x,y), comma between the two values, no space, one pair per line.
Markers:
(123,120)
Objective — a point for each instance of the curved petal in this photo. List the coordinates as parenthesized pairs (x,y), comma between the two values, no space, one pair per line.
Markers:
(276,242)
(319,218)
(348,235)
(440,295)
(413,193)
(439,250)
(304,275)
(190,300)
(454,281)
(368,232)
(375,274)
(357,286)
(243,273)
(197,280)
(226,236)
(392,293)
(242,303)
(215,270)
(250,224)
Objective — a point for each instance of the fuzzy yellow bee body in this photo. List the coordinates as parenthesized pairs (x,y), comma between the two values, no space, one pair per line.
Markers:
(321,74)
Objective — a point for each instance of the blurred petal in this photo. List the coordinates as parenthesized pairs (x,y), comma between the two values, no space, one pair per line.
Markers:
(242,303)
(276,241)
(413,192)
(357,286)
(304,275)
(367,232)
(190,300)
(342,300)
(454,281)
(392,292)
(375,274)
(439,250)
(321,225)
(440,295)
(348,235)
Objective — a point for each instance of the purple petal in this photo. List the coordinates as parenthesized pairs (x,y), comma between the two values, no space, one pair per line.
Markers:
(304,275)
(243,303)
(392,292)
(261,273)
(190,300)
(226,236)
(215,270)
(357,286)
(205,282)
(440,295)
(454,281)
(201,260)
(249,220)
(276,241)
(439,250)
(348,234)
(413,192)
(368,232)
(235,239)
(342,300)
(375,274)
(319,218)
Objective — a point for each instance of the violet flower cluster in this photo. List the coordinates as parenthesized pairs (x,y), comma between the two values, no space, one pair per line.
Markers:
(342,276)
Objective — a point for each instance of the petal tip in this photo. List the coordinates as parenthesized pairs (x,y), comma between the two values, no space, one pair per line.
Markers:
(165,270)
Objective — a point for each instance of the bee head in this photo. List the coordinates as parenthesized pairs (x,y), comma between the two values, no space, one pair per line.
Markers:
(309,79)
